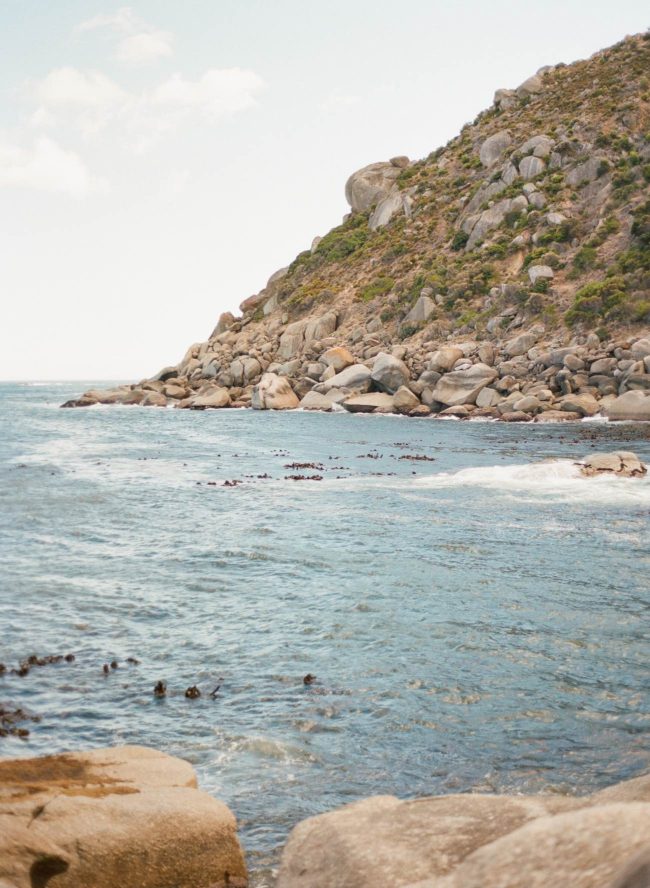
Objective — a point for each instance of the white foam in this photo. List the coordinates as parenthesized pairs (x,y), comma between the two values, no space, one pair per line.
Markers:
(556,479)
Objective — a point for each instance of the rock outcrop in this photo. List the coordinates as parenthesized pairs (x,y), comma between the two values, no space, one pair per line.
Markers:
(475,841)
(121,816)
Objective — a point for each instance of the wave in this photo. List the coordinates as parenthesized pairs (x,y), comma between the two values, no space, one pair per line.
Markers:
(560,478)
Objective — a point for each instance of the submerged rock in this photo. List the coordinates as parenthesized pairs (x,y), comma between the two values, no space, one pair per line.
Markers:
(621,462)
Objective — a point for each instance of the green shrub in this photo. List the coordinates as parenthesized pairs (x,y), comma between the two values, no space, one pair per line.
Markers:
(379,287)
(584,259)
(459,241)
(346,239)
(596,300)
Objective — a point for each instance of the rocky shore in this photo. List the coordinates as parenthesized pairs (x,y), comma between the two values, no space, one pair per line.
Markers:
(310,365)
(132,816)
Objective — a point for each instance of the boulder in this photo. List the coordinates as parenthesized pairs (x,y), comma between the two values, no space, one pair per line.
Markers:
(393,204)
(214,399)
(530,167)
(421,311)
(385,842)
(154,399)
(292,339)
(369,185)
(109,817)
(478,226)
(633,405)
(320,327)
(273,392)
(225,322)
(337,357)
(316,401)
(369,403)
(530,87)
(488,397)
(493,148)
(357,376)
(621,462)
(585,849)
(462,386)
(404,401)
(558,416)
(520,344)
(540,272)
(584,172)
(445,358)
(165,374)
(584,404)
(389,373)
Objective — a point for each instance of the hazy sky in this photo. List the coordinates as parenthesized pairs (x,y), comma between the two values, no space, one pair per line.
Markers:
(159,161)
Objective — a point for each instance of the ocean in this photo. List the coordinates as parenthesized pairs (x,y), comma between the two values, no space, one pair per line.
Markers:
(475,612)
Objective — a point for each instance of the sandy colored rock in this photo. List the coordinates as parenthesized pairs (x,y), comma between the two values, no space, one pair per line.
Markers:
(462,386)
(385,842)
(404,401)
(214,399)
(389,373)
(578,849)
(338,358)
(274,392)
(634,405)
(621,462)
(357,376)
(316,401)
(111,817)
(369,402)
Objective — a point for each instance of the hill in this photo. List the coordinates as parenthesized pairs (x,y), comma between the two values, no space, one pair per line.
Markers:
(515,260)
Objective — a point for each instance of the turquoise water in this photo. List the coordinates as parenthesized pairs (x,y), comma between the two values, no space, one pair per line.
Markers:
(476,620)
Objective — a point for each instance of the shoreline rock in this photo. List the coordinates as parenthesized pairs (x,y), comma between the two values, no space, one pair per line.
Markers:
(115,816)
(475,841)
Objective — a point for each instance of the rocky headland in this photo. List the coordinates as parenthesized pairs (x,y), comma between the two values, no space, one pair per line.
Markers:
(506,275)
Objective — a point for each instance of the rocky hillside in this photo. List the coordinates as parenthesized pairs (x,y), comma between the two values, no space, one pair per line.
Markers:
(507,273)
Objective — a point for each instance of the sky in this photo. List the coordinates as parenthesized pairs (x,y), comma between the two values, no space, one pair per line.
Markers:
(159,161)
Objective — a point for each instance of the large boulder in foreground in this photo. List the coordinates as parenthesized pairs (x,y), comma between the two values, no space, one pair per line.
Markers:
(122,816)
(476,841)
(273,392)
(384,841)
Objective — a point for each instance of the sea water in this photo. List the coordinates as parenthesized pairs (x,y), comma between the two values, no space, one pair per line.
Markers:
(477,617)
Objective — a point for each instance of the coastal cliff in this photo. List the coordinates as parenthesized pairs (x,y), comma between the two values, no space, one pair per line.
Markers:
(506,275)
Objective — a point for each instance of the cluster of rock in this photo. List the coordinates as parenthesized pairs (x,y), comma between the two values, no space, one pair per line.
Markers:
(477,841)
(311,364)
(133,816)
(110,817)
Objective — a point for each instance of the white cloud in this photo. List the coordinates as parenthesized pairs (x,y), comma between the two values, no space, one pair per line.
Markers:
(175,185)
(217,92)
(337,101)
(140,44)
(89,102)
(46,167)
(69,87)
(138,49)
